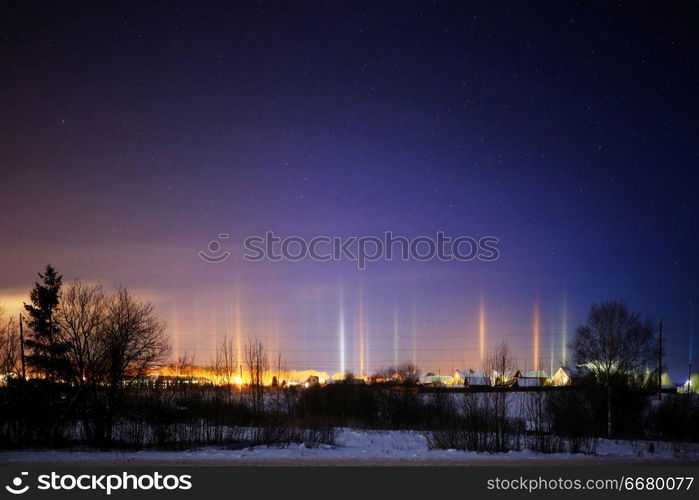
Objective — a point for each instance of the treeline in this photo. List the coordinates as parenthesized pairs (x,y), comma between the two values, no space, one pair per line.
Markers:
(84,380)
(81,347)
(615,394)
(571,420)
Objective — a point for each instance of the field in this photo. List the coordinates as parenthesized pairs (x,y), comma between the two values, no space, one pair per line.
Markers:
(362,447)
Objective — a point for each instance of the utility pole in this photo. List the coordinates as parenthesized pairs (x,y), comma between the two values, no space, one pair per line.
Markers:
(21,347)
(660,360)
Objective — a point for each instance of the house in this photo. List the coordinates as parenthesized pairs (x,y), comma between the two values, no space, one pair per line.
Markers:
(567,374)
(168,381)
(347,379)
(432,378)
(692,384)
(311,381)
(530,378)
(6,377)
(471,378)
(666,382)
(563,376)
(354,381)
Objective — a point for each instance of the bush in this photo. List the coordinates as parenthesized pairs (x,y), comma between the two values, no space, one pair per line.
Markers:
(314,437)
(540,437)
(677,418)
(572,416)
(481,425)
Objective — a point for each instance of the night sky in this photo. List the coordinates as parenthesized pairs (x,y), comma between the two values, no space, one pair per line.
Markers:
(132,135)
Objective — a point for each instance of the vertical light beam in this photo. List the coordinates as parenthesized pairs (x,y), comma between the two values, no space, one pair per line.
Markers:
(536,336)
(176,328)
(414,335)
(238,330)
(361,331)
(367,344)
(564,331)
(342,335)
(481,328)
(395,336)
(552,336)
(691,337)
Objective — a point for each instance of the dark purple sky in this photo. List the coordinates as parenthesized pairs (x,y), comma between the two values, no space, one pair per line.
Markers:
(132,135)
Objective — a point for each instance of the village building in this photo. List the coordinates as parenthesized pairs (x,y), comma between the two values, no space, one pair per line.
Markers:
(562,377)
(311,381)
(471,378)
(530,378)
(432,378)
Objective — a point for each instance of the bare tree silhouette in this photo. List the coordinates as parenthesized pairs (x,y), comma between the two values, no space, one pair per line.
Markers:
(615,344)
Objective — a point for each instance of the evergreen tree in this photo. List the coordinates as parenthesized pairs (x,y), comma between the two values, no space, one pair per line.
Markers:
(48,353)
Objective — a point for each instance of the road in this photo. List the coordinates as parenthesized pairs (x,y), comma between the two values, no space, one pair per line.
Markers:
(368,462)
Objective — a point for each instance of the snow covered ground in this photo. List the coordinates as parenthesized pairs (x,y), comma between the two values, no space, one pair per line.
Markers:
(361,446)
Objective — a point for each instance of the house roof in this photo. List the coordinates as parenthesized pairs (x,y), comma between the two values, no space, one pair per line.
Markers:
(470,373)
(473,377)
(531,374)
(432,378)
(575,371)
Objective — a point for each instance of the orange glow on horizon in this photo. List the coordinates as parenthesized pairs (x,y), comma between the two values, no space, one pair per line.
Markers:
(207,374)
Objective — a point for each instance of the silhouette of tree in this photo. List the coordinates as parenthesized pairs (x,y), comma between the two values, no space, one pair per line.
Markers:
(133,342)
(48,352)
(256,362)
(9,345)
(80,319)
(615,345)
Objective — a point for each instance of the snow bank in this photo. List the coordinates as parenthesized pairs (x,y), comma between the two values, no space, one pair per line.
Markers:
(353,443)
